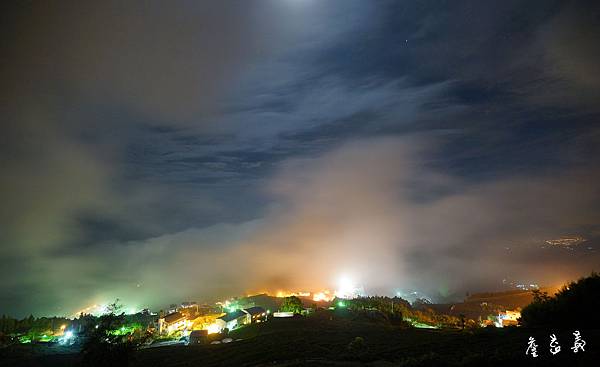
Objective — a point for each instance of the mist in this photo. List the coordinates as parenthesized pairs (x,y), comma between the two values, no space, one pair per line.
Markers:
(371,210)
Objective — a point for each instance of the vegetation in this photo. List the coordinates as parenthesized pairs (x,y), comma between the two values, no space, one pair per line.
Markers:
(111,343)
(369,330)
(576,305)
(292,304)
(335,338)
(398,310)
(31,328)
(327,338)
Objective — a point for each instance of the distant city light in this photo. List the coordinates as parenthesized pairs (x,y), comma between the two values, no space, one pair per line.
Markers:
(566,241)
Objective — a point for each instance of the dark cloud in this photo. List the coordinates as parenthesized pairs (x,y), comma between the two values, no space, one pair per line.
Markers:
(165,62)
(571,53)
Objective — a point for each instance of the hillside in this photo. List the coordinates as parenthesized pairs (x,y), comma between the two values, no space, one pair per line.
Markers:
(328,339)
(484,304)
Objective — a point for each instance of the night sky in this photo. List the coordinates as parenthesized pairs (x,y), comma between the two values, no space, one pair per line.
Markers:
(167,151)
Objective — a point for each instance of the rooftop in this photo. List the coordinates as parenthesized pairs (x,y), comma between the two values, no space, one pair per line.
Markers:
(232,315)
(255,310)
(174,317)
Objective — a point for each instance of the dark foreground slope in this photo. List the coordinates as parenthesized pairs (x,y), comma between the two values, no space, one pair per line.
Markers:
(327,340)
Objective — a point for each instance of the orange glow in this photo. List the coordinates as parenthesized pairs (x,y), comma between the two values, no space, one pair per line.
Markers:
(320,296)
(281,294)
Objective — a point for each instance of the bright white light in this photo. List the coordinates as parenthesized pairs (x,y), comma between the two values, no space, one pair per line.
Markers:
(348,289)
(345,288)
(213,328)
(345,283)
(68,334)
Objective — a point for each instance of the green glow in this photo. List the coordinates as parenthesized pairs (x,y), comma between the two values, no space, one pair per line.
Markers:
(341,304)
(46,338)
(30,337)
(232,307)
(126,329)
(420,325)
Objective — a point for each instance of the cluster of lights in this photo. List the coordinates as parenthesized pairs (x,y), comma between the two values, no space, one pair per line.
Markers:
(67,338)
(283,294)
(346,289)
(323,296)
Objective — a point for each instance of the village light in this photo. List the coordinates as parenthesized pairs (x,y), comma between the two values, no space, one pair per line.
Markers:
(213,328)
(322,296)
(66,337)
(346,288)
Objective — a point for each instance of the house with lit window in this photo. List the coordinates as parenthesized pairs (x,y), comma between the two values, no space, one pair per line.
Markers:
(256,314)
(172,322)
(508,318)
(232,320)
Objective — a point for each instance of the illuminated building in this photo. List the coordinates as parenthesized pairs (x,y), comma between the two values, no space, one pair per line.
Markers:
(283,314)
(232,320)
(172,322)
(256,314)
(507,318)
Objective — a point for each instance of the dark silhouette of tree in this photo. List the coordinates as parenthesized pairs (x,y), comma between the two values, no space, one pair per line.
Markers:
(576,305)
(462,321)
(105,347)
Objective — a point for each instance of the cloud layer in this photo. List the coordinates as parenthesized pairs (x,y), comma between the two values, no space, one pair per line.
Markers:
(371,210)
(200,150)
